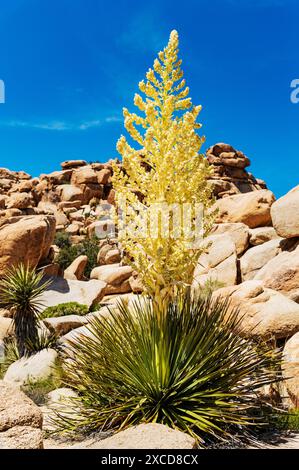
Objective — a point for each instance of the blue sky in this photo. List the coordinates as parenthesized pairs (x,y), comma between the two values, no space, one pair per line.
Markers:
(69,66)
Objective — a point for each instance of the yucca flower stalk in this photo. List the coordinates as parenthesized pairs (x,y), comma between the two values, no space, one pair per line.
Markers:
(167,169)
(20,292)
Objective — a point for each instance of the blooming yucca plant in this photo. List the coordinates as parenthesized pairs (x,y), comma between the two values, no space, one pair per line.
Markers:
(165,173)
(187,369)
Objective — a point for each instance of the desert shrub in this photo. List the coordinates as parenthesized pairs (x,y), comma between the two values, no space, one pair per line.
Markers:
(286,421)
(184,367)
(62,240)
(10,354)
(67,255)
(88,247)
(20,292)
(68,308)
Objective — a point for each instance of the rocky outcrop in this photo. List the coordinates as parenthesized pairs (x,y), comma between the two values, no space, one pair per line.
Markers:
(252,209)
(26,240)
(230,176)
(260,235)
(264,313)
(256,257)
(238,232)
(285,214)
(219,262)
(282,273)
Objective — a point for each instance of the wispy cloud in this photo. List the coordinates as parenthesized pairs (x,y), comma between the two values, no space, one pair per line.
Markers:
(62,125)
(88,124)
(113,119)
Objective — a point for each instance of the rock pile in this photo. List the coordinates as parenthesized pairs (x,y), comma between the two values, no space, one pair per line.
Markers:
(251,256)
(230,176)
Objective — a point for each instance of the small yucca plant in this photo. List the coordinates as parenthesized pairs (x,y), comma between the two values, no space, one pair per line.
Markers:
(187,369)
(20,292)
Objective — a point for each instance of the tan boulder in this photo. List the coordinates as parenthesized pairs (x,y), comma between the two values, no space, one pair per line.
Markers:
(238,232)
(6,327)
(116,277)
(62,325)
(77,216)
(69,206)
(23,186)
(264,313)
(59,401)
(76,269)
(225,154)
(84,175)
(252,209)
(91,191)
(57,177)
(282,274)
(285,214)
(104,176)
(62,291)
(147,436)
(74,228)
(113,256)
(290,368)
(21,437)
(255,258)
(34,368)
(60,395)
(69,192)
(20,201)
(108,254)
(72,164)
(61,218)
(16,409)
(260,235)
(219,262)
(27,240)
(77,334)
(22,175)
(102,229)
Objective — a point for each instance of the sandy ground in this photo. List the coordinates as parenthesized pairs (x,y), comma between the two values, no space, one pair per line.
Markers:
(283,441)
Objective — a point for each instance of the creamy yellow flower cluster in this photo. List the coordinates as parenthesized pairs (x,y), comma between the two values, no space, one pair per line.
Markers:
(166,169)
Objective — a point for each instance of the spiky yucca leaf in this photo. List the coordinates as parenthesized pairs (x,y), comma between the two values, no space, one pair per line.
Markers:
(187,369)
(20,292)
